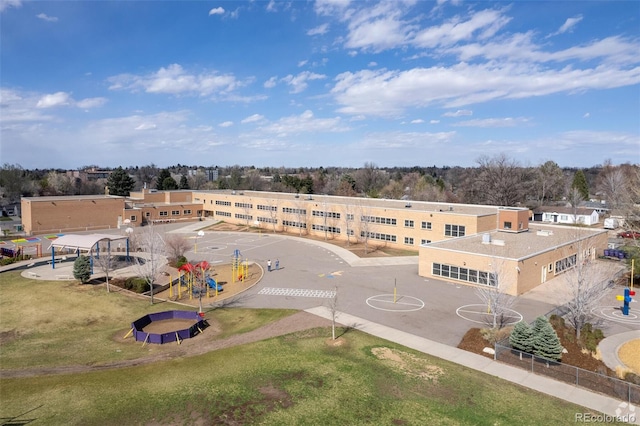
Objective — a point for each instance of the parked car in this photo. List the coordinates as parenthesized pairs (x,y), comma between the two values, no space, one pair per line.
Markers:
(629,234)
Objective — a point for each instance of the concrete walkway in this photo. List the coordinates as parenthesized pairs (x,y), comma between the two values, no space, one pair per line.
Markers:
(609,347)
(567,392)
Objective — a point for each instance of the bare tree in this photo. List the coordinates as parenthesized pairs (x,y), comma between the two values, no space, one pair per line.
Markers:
(586,280)
(495,295)
(152,243)
(333,310)
(549,182)
(613,185)
(105,261)
(176,246)
(501,180)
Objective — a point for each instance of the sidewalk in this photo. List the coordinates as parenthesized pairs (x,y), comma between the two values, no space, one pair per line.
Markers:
(567,392)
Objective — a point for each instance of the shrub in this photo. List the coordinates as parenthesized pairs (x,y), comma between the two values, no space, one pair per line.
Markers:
(590,337)
(7,261)
(181,261)
(82,269)
(493,335)
(136,284)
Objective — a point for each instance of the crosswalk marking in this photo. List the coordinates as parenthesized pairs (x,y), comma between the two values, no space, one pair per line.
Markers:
(299,292)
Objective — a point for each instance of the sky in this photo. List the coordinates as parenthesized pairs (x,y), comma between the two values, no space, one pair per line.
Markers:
(318,83)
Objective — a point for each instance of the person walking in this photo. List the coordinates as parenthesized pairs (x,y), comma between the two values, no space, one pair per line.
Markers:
(269,265)
(277,264)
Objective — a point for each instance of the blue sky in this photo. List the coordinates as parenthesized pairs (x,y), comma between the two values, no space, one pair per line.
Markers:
(318,83)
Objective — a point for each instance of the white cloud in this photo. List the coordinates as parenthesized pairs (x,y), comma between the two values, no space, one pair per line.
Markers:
(271,7)
(319,30)
(175,80)
(434,121)
(586,115)
(417,121)
(493,122)
(302,63)
(299,83)
(458,113)
(6,4)
(271,82)
(303,123)
(54,100)
(406,140)
(372,64)
(482,24)
(146,126)
(226,124)
(331,7)
(390,93)
(216,11)
(20,108)
(44,17)
(89,103)
(569,24)
(253,119)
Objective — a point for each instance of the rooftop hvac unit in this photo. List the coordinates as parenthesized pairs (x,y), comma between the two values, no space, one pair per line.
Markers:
(486,238)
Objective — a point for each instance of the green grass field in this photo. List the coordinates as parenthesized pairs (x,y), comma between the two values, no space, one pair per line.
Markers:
(296,379)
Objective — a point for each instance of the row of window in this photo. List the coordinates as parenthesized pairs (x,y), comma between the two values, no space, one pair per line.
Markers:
(268,208)
(321,213)
(244,216)
(294,211)
(244,205)
(378,236)
(377,219)
(293,224)
(465,274)
(331,229)
(267,220)
(166,213)
(225,214)
(566,263)
(223,203)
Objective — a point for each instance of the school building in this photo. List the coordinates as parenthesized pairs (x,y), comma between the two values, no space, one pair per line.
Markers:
(468,244)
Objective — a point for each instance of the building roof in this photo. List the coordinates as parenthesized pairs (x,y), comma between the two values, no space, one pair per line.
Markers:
(83,242)
(583,211)
(509,245)
(71,197)
(358,202)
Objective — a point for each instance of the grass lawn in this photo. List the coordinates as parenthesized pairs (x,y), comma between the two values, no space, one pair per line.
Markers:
(297,379)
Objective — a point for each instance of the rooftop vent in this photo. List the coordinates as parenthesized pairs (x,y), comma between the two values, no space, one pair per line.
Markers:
(544,232)
(486,238)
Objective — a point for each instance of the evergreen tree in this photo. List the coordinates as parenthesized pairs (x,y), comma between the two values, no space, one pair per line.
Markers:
(546,343)
(120,183)
(164,174)
(82,269)
(521,337)
(184,183)
(169,184)
(580,184)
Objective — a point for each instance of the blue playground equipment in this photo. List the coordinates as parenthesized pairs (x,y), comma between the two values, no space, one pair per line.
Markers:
(213,284)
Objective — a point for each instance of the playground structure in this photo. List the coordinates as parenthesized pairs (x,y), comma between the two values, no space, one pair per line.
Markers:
(239,267)
(22,247)
(137,327)
(197,280)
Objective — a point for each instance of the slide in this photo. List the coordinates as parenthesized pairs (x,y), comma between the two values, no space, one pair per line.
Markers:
(213,284)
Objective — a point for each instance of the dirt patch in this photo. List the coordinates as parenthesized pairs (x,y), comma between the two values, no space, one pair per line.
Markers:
(629,354)
(409,364)
(8,336)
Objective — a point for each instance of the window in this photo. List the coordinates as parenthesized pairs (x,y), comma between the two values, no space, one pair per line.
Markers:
(133,218)
(507,225)
(186,211)
(550,267)
(464,274)
(244,216)
(454,230)
(225,214)
(223,203)
(566,263)
(175,212)
(267,220)
(296,211)
(243,205)
(164,213)
(408,223)
(425,241)
(330,229)
(378,236)
(564,217)
(349,216)
(426,225)
(147,214)
(408,240)
(294,224)
(268,208)
(321,213)
(380,220)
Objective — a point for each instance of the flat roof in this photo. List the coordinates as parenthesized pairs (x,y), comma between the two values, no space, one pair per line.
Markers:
(511,245)
(425,206)
(73,197)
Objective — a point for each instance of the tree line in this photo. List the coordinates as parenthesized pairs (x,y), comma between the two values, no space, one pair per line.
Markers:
(498,180)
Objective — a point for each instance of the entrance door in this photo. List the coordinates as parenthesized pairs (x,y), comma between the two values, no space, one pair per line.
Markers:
(543,277)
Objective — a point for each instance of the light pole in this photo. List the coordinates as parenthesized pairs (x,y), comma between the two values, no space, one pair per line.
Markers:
(200,235)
